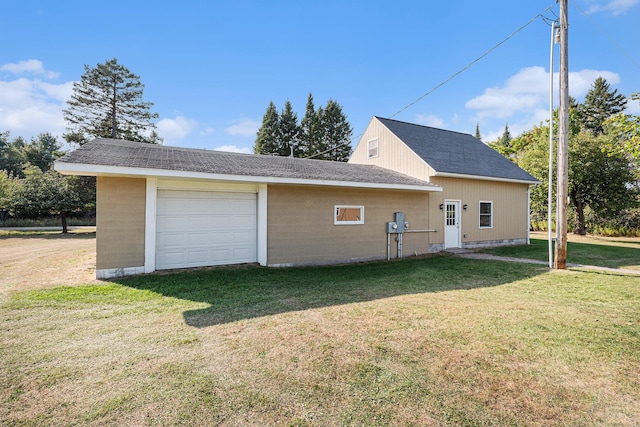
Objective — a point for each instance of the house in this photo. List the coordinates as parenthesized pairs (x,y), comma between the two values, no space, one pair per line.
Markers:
(485,197)
(161,207)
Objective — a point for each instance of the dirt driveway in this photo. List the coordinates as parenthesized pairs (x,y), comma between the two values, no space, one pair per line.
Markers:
(46,260)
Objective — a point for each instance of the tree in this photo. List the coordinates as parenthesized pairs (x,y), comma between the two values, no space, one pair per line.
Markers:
(268,134)
(42,151)
(336,132)
(600,103)
(323,134)
(7,187)
(107,103)
(46,193)
(310,130)
(599,178)
(288,132)
(12,157)
(503,144)
(478,136)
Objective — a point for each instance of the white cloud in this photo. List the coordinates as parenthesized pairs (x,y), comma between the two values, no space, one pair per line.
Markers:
(176,128)
(207,131)
(30,66)
(633,107)
(29,107)
(430,120)
(616,7)
(234,149)
(528,91)
(244,127)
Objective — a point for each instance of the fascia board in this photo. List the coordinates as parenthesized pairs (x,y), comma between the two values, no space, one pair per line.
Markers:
(485,178)
(101,170)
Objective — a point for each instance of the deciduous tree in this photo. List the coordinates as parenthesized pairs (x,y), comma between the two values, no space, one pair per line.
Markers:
(46,193)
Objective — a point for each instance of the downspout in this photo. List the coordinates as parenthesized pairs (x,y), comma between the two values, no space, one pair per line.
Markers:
(528,215)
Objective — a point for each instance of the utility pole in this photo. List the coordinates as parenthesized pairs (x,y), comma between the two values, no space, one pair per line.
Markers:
(563,142)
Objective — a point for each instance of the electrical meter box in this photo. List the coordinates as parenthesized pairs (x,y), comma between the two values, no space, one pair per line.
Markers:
(392,227)
(399,220)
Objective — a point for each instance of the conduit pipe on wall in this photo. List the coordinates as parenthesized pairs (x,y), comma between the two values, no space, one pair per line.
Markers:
(399,227)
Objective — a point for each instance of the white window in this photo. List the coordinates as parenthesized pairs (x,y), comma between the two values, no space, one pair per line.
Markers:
(486,214)
(373,148)
(346,215)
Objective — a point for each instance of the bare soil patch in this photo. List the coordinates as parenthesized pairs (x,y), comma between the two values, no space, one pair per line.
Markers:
(46,260)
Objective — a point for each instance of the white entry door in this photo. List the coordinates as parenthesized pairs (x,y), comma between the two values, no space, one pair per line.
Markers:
(451,224)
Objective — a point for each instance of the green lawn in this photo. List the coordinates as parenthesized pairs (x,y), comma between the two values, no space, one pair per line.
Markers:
(433,341)
(603,252)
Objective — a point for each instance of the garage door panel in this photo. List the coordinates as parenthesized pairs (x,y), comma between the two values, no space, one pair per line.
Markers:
(199,228)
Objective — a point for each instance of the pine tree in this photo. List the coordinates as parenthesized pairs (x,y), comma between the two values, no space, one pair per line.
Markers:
(268,134)
(478,136)
(600,103)
(505,139)
(107,103)
(288,132)
(310,131)
(336,133)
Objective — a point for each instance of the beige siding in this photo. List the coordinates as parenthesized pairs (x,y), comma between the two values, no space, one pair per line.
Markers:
(120,222)
(392,153)
(510,204)
(301,228)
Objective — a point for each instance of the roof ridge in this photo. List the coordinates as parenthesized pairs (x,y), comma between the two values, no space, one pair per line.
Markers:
(423,126)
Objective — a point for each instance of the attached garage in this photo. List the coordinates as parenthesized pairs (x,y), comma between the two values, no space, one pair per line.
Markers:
(204,228)
(162,208)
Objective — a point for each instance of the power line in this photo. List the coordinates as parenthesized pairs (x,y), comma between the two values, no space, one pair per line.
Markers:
(604,33)
(472,62)
(540,15)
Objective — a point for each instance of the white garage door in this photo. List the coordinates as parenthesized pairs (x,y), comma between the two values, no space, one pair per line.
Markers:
(202,228)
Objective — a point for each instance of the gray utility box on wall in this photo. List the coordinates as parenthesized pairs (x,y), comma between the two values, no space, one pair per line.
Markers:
(399,219)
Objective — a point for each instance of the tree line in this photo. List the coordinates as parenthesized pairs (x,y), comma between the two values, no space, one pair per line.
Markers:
(323,133)
(604,163)
(30,188)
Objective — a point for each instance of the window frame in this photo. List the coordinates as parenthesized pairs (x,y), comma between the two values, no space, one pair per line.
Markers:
(480,214)
(377,148)
(335,215)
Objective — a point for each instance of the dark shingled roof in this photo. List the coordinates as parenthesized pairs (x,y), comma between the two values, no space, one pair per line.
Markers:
(119,153)
(455,153)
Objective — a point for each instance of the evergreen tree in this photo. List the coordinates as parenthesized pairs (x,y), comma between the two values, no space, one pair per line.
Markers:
(310,130)
(288,132)
(268,134)
(478,136)
(600,103)
(503,144)
(107,103)
(323,134)
(336,134)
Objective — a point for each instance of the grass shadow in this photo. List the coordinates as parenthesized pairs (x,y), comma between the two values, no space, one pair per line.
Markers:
(245,292)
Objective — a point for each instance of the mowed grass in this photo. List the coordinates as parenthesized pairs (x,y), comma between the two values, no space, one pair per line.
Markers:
(599,251)
(433,341)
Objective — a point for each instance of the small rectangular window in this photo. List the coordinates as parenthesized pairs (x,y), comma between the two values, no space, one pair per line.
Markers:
(373,148)
(486,214)
(345,215)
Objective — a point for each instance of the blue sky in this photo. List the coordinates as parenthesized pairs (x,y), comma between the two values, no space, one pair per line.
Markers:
(212,67)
